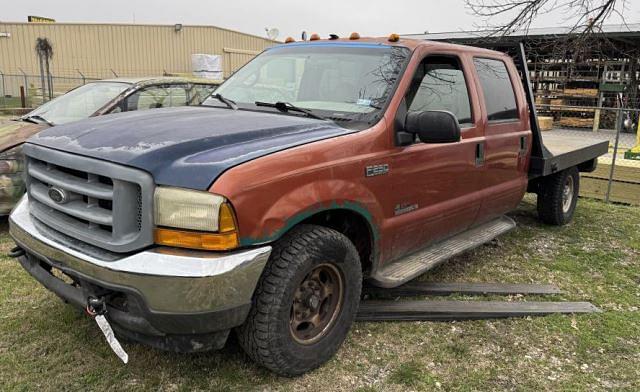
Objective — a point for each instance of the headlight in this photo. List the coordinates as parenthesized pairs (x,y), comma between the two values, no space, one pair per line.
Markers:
(194,219)
(12,161)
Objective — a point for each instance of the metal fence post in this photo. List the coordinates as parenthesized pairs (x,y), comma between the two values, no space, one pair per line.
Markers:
(4,100)
(619,125)
(26,83)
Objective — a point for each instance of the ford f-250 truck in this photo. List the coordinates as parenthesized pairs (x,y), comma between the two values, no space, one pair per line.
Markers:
(316,166)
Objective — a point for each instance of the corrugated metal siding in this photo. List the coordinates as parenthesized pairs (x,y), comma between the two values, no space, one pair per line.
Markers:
(130,50)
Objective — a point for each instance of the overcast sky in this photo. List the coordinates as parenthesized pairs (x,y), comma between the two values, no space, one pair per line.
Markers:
(368,17)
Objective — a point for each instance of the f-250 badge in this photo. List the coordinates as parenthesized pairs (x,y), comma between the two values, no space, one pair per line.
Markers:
(404,208)
(376,170)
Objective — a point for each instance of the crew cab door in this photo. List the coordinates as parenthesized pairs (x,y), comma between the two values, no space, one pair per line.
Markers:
(436,186)
(508,138)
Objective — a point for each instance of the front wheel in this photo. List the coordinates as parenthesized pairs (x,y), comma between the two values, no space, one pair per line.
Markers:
(558,197)
(305,301)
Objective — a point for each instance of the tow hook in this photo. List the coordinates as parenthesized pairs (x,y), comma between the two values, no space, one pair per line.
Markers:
(96,306)
(16,252)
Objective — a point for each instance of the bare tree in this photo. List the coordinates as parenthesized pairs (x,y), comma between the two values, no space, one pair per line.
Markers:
(585,16)
(44,50)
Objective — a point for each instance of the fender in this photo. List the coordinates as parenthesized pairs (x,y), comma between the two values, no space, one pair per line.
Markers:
(310,199)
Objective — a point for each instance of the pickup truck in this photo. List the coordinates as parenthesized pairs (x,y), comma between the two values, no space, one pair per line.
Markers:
(315,167)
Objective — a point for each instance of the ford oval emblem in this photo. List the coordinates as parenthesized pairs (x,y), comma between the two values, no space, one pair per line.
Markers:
(60,196)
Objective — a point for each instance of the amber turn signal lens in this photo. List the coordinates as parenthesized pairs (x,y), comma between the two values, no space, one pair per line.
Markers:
(394,38)
(354,36)
(196,240)
(226,219)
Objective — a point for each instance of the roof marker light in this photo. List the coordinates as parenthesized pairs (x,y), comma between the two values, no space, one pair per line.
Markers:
(289,40)
(394,37)
(314,37)
(354,35)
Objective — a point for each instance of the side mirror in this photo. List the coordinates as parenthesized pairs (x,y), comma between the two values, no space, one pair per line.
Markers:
(433,126)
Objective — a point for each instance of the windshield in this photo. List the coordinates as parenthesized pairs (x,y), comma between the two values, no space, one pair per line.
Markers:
(79,103)
(339,81)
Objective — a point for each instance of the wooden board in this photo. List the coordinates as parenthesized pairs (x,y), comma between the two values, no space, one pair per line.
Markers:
(576,122)
(626,170)
(621,192)
(582,92)
(463,310)
(437,288)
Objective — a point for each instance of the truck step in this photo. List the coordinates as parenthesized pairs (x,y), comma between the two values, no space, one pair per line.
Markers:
(437,288)
(405,269)
(464,310)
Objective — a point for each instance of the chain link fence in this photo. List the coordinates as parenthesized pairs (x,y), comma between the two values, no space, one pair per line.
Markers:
(23,90)
(617,177)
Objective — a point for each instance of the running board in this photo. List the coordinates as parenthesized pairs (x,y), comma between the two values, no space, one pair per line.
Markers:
(404,270)
(414,289)
(464,310)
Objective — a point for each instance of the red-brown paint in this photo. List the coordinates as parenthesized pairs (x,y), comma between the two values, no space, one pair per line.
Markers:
(452,194)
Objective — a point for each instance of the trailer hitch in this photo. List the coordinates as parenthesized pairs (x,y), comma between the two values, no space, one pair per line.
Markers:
(16,252)
(96,306)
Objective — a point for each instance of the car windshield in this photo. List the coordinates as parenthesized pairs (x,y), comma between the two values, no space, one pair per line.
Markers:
(338,81)
(79,103)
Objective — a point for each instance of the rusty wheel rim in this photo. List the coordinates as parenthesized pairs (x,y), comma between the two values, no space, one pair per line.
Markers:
(316,304)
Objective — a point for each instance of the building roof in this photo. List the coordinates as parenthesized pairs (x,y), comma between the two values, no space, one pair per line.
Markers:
(622,30)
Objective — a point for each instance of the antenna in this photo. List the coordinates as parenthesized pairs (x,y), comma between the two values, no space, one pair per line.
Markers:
(272,33)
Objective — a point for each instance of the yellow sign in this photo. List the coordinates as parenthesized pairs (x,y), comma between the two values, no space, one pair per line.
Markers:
(39,19)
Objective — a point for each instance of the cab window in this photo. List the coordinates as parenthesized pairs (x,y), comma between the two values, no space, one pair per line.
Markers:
(440,85)
(499,98)
(157,97)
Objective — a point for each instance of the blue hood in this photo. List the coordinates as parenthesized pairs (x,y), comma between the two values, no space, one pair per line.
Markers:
(189,146)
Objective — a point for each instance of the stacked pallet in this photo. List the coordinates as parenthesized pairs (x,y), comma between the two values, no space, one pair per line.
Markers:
(582,92)
(626,181)
(576,122)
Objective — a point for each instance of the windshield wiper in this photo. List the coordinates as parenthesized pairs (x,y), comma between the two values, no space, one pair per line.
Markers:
(287,107)
(230,104)
(37,119)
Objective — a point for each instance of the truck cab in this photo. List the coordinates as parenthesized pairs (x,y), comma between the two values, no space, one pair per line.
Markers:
(317,166)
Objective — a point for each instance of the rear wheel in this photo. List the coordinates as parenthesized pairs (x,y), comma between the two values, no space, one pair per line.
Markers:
(558,197)
(305,301)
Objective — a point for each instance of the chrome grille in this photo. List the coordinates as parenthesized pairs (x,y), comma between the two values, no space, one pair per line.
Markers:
(97,202)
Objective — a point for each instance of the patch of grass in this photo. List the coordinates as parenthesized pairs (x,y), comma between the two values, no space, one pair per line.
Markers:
(411,374)
(45,344)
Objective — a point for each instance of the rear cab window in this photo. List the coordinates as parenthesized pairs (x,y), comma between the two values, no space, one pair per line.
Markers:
(499,95)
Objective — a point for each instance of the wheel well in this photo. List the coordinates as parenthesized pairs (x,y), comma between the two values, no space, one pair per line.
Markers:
(354,226)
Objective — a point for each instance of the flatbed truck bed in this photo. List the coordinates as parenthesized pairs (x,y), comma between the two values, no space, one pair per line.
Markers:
(563,152)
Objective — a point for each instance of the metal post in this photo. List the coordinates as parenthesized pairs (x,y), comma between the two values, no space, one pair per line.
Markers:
(596,116)
(4,100)
(619,125)
(26,82)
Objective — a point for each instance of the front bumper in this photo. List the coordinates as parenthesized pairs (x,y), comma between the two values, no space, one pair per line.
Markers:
(172,299)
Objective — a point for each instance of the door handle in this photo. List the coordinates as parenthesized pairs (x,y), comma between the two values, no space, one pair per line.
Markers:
(523,145)
(480,154)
